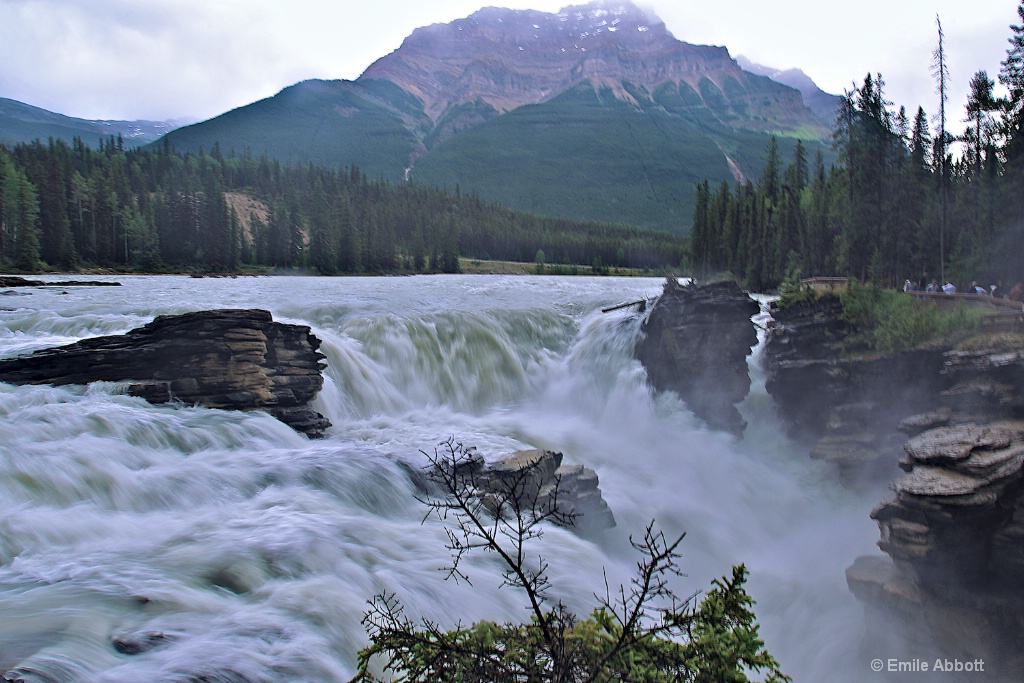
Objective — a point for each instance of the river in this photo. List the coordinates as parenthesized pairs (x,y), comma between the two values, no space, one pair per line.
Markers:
(253,550)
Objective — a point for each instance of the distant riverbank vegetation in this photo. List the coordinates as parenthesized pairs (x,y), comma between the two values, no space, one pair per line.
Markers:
(70,207)
(903,202)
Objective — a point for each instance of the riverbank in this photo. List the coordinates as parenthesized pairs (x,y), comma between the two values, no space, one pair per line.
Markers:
(469,266)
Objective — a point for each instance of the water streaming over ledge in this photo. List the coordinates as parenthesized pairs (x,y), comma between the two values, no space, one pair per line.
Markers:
(236,549)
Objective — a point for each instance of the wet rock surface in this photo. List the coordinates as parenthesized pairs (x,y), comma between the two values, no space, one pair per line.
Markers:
(950,582)
(954,535)
(848,407)
(235,359)
(15,281)
(695,342)
(538,479)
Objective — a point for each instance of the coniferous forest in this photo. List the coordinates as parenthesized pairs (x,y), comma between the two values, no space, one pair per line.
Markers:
(69,206)
(906,200)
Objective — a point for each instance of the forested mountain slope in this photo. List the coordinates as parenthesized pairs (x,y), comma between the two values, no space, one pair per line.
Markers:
(594,112)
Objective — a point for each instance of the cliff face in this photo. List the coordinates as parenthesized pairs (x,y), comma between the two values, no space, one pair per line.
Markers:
(849,408)
(695,342)
(233,359)
(510,58)
(953,532)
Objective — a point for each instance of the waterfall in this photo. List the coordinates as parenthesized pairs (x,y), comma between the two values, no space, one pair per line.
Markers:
(142,542)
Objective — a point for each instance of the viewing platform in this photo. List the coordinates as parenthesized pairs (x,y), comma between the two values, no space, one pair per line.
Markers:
(1005,315)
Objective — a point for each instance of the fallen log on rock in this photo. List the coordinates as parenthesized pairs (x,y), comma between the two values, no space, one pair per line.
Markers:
(231,359)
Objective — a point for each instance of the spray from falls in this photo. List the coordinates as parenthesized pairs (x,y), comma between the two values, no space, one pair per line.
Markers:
(206,542)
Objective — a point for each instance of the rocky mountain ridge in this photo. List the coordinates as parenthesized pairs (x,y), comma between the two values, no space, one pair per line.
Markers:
(596,112)
(817,100)
(511,58)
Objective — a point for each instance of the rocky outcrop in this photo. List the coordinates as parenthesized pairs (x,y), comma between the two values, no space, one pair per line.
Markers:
(15,281)
(847,406)
(536,478)
(695,342)
(955,534)
(958,517)
(231,359)
(573,488)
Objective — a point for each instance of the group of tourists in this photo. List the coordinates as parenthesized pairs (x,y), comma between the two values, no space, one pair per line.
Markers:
(1016,293)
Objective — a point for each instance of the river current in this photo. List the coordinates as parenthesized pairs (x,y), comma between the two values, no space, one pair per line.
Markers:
(251,551)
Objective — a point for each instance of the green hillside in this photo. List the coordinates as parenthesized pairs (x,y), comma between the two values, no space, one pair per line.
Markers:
(589,155)
(20,122)
(333,123)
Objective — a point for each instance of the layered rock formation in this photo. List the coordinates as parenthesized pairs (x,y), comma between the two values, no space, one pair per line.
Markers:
(504,59)
(536,478)
(847,406)
(695,342)
(954,529)
(955,534)
(573,488)
(232,359)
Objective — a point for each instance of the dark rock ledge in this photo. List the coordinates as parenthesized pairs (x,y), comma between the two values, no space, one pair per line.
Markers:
(231,359)
(954,533)
(695,342)
(15,281)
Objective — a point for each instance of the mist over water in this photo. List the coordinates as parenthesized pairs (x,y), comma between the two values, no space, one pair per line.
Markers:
(239,548)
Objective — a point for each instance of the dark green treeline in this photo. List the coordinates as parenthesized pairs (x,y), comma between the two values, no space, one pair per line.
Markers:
(69,206)
(878,213)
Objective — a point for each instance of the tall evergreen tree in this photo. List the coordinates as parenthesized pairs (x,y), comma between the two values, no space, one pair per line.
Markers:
(1011,75)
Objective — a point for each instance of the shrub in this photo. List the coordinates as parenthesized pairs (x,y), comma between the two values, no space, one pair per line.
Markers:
(889,322)
(642,634)
(793,290)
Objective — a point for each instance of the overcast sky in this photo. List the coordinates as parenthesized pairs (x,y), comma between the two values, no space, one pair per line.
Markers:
(163,59)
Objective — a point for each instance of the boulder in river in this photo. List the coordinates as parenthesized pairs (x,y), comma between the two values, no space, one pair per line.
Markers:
(236,359)
(695,342)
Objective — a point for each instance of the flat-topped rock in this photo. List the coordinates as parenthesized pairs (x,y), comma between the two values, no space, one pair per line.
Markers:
(235,359)
(576,486)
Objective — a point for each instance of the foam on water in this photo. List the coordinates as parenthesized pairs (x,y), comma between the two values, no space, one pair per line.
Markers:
(233,548)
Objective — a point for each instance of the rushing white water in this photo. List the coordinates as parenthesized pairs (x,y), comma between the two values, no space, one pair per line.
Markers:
(253,550)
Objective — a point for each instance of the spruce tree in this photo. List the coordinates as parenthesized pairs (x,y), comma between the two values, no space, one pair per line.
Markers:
(1011,75)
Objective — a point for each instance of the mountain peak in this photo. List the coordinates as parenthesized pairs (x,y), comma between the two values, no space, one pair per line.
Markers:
(508,58)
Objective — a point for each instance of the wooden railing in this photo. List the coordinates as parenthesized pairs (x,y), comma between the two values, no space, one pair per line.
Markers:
(943,300)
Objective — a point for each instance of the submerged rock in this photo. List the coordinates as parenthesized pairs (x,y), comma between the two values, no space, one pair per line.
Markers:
(234,359)
(695,342)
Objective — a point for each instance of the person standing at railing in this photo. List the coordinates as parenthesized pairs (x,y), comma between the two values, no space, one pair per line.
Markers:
(933,286)
(949,288)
